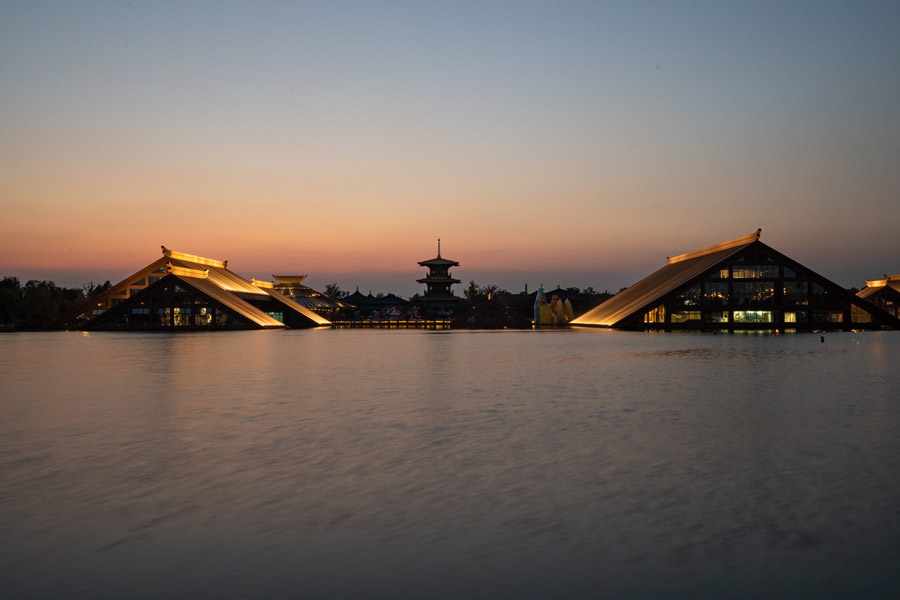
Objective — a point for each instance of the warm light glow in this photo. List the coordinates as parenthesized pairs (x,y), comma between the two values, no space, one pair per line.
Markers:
(289,278)
(185,272)
(741,241)
(200,260)
(262,284)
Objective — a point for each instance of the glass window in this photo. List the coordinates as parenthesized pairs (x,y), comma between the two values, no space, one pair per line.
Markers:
(753,316)
(858,315)
(689,297)
(826,316)
(683,316)
(715,293)
(717,317)
(656,315)
(789,273)
(755,271)
(203,317)
(822,298)
(795,293)
(181,316)
(753,292)
(278,316)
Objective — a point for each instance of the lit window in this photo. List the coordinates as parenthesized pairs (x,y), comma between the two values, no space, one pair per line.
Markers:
(755,271)
(858,315)
(689,297)
(795,292)
(715,293)
(682,316)
(753,316)
(753,292)
(656,315)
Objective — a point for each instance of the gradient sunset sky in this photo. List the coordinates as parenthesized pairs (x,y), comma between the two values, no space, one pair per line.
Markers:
(572,143)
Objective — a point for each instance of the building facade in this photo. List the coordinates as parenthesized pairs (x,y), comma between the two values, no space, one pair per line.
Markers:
(884,293)
(741,284)
(183,292)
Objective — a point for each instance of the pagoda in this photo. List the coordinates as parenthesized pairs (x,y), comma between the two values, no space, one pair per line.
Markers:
(438,281)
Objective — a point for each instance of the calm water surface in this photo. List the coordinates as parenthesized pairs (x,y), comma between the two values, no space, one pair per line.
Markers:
(412,464)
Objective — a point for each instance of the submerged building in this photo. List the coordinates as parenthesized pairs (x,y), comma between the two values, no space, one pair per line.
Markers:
(884,293)
(180,292)
(741,284)
(292,286)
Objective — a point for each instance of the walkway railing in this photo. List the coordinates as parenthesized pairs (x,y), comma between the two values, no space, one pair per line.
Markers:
(392,324)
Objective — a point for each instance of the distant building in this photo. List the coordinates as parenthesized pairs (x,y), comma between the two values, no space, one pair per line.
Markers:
(493,313)
(741,284)
(292,286)
(438,282)
(181,292)
(884,293)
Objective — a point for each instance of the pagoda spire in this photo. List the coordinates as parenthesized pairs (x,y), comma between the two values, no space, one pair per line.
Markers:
(439,248)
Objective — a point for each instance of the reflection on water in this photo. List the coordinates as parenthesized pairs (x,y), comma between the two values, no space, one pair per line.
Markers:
(419,464)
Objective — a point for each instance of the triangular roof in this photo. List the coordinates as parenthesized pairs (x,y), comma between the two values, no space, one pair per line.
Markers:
(209,276)
(252,316)
(678,271)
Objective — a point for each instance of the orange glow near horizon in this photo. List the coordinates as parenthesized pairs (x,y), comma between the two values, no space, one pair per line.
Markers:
(522,151)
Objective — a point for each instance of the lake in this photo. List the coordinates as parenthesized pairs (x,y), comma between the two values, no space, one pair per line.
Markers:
(449,464)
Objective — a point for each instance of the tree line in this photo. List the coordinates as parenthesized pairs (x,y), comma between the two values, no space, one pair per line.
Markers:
(37,303)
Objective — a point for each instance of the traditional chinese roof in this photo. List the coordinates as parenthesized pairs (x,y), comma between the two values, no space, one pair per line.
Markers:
(890,285)
(438,261)
(209,276)
(889,280)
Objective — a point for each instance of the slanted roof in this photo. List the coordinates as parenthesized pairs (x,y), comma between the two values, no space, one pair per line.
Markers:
(295,307)
(235,303)
(207,275)
(646,292)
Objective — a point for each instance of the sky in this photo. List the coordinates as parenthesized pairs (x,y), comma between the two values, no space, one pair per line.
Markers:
(570,143)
